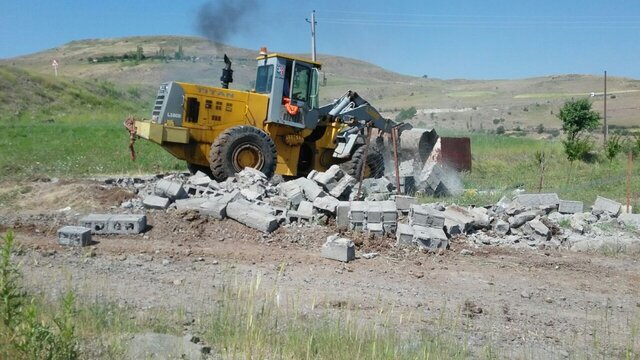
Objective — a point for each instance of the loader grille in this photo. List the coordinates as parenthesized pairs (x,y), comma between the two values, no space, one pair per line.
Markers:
(160,100)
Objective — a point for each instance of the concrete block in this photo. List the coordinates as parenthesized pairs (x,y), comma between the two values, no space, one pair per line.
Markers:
(631,220)
(305,209)
(199,179)
(337,248)
(404,235)
(570,207)
(216,207)
(251,194)
(606,206)
(343,187)
(357,226)
(74,236)
(342,215)
(190,203)
(389,227)
(310,189)
(98,223)
(425,216)
(458,220)
(407,184)
(374,229)
(127,224)
(380,185)
(374,212)
(430,238)
(404,202)
(389,211)
(358,211)
(155,202)
(329,179)
(170,189)
(381,196)
(252,215)
(538,200)
(327,202)
(439,180)
(278,201)
(292,191)
(481,219)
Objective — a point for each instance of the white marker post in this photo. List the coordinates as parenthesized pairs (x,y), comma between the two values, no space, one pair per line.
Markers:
(55,67)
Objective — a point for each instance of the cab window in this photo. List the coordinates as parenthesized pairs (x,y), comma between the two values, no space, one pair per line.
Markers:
(264,79)
(301,79)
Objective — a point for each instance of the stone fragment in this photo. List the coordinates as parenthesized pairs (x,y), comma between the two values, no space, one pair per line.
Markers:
(216,207)
(404,235)
(537,230)
(344,186)
(501,227)
(98,223)
(570,207)
(252,215)
(329,179)
(309,187)
(425,216)
(199,179)
(74,236)
(606,206)
(520,219)
(538,200)
(189,203)
(631,220)
(170,189)
(337,248)
(292,191)
(457,220)
(155,202)
(327,202)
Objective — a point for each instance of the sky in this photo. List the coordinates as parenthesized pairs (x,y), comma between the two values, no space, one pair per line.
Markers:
(447,39)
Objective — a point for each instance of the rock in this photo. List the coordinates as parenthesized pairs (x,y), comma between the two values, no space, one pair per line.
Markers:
(501,227)
(369,255)
(520,219)
(161,346)
(525,294)
(466,252)
(606,206)
(570,207)
(337,248)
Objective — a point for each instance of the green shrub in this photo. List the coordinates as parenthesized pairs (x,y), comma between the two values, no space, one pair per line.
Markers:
(406,114)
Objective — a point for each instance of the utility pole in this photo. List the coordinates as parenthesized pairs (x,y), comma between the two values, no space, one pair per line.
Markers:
(606,128)
(313,34)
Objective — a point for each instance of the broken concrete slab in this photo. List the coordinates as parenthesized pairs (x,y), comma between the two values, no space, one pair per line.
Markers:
(342,215)
(538,200)
(404,235)
(520,219)
(309,187)
(252,215)
(329,179)
(155,202)
(404,202)
(199,179)
(631,220)
(74,236)
(458,220)
(189,203)
(537,230)
(216,206)
(170,189)
(327,203)
(344,186)
(337,248)
(98,223)
(570,207)
(430,238)
(425,216)
(606,206)
(128,224)
(305,209)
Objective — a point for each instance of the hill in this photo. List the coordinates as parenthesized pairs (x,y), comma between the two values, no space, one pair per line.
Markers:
(451,104)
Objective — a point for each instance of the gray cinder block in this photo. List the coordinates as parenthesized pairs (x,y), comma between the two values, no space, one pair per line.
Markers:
(538,200)
(98,223)
(74,236)
(155,202)
(425,216)
(127,224)
(337,248)
(430,238)
(403,202)
(342,215)
(327,202)
(170,189)
(607,206)
(375,229)
(216,207)
(404,235)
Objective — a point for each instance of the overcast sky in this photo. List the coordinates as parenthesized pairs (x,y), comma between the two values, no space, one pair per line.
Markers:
(471,39)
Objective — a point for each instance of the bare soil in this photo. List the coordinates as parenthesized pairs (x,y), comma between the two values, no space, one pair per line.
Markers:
(527,303)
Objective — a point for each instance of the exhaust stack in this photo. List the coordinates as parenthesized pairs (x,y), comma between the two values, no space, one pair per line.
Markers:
(227,73)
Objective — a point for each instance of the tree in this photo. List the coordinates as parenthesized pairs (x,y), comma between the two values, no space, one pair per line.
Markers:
(577,120)
(613,147)
(406,114)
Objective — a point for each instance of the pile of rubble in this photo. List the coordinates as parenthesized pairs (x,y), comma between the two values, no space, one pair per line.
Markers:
(372,208)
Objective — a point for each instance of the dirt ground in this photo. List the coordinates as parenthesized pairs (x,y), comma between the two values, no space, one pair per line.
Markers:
(528,303)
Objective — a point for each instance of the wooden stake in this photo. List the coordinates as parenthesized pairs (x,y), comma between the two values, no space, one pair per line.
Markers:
(364,160)
(629,168)
(394,138)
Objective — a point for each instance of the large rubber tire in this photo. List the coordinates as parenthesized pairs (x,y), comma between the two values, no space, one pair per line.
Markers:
(375,163)
(239,147)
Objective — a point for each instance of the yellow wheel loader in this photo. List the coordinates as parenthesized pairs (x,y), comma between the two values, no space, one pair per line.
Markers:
(277,128)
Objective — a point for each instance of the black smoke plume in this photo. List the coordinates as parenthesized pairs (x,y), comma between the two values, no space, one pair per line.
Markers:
(220,19)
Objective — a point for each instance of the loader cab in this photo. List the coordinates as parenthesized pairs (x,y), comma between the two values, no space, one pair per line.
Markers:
(292,86)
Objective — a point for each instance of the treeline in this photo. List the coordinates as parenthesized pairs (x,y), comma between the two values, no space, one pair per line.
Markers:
(139,55)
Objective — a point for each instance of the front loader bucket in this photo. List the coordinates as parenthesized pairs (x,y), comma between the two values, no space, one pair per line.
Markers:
(417,142)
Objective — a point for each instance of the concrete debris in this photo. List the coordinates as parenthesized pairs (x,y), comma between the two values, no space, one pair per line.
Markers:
(430,238)
(189,203)
(328,179)
(252,215)
(342,215)
(438,180)
(170,189)
(631,220)
(199,179)
(570,207)
(404,202)
(537,230)
(216,207)
(604,206)
(74,236)
(520,219)
(337,248)
(425,216)
(309,187)
(344,186)
(538,200)
(458,220)
(501,227)
(292,191)
(155,202)
(404,235)
(327,203)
